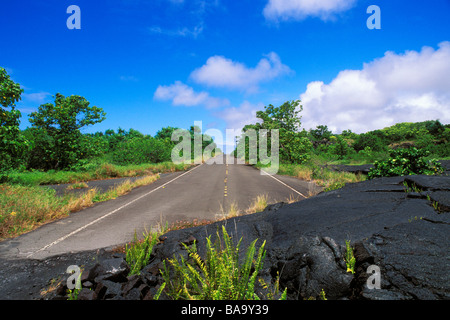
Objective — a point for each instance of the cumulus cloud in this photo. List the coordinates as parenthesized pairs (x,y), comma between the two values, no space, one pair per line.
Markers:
(37,97)
(183,95)
(225,73)
(409,87)
(237,117)
(300,9)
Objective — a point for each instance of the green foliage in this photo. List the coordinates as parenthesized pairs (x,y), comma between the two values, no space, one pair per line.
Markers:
(369,139)
(139,252)
(340,147)
(59,124)
(294,145)
(411,131)
(406,162)
(13,145)
(334,186)
(322,295)
(165,133)
(219,277)
(320,133)
(73,294)
(349,257)
(273,292)
(142,150)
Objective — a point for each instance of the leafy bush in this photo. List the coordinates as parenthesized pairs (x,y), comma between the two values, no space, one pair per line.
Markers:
(369,139)
(406,162)
(340,147)
(142,150)
(219,277)
(13,145)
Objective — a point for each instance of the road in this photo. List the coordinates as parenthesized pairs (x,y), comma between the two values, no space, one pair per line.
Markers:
(200,193)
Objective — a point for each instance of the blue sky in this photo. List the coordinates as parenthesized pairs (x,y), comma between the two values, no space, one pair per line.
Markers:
(151,64)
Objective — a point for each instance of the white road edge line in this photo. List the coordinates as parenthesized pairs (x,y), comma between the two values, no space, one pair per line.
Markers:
(107,215)
(298,192)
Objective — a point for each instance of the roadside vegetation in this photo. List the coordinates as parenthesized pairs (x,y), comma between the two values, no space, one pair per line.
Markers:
(24,208)
(53,150)
(401,149)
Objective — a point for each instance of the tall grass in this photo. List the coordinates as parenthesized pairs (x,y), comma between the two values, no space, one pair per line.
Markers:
(258,205)
(24,208)
(321,176)
(103,170)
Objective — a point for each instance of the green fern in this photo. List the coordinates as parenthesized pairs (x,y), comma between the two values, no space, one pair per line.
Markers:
(349,257)
(139,252)
(220,276)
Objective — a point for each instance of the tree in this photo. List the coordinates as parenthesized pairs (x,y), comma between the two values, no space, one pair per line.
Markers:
(369,139)
(138,150)
(340,147)
(165,133)
(62,122)
(294,145)
(320,133)
(13,145)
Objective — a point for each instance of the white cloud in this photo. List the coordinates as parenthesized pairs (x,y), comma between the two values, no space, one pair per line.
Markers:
(183,95)
(237,117)
(300,9)
(37,97)
(225,73)
(409,87)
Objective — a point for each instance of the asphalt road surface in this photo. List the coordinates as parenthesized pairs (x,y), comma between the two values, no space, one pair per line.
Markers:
(200,193)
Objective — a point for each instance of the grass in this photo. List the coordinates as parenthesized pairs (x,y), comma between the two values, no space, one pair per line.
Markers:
(258,205)
(75,186)
(104,170)
(124,188)
(24,208)
(24,205)
(323,177)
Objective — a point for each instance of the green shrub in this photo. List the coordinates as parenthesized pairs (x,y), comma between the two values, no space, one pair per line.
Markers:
(369,139)
(140,150)
(139,252)
(219,277)
(404,162)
